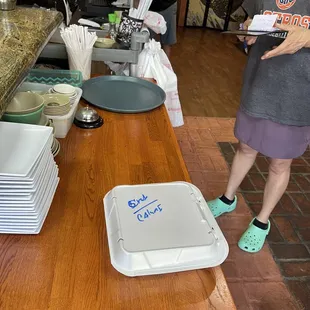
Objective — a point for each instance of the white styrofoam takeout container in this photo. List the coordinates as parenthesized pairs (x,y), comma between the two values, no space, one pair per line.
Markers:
(161,228)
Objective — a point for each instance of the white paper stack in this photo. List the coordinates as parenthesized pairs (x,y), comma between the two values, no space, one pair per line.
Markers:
(28,177)
(263,23)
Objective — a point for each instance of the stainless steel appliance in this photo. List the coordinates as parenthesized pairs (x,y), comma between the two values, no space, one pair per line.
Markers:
(7,5)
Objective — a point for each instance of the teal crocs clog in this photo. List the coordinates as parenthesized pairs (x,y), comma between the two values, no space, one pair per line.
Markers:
(218,207)
(253,238)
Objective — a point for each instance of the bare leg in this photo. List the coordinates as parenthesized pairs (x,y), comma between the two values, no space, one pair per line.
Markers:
(243,161)
(278,178)
(167,50)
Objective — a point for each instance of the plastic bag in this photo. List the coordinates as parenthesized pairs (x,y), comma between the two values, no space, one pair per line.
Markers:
(118,68)
(155,22)
(154,64)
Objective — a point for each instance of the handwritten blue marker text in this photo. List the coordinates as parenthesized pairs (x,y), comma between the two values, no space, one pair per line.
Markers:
(144,209)
(148,213)
(135,202)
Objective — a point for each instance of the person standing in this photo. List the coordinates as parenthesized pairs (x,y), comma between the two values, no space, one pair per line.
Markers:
(274,115)
(168,9)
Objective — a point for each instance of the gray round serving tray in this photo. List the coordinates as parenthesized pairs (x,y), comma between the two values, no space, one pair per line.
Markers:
(123,94)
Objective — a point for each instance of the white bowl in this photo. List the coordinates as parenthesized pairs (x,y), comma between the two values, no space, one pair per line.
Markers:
(43,121)
(64,89)
(56,104)
(71,96)
(104,43)
(55,101)
(24,103)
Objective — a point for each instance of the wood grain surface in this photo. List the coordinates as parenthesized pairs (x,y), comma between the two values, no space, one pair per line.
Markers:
(209,67)
(67,266)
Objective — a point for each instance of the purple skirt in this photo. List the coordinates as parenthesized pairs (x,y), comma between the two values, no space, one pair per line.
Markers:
(272,139)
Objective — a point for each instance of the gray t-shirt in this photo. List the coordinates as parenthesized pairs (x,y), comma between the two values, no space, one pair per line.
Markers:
(278,89)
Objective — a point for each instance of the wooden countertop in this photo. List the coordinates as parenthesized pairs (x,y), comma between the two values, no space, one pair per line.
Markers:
(67,266)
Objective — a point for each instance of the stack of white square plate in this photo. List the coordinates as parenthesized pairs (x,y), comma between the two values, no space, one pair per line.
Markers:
(28,177)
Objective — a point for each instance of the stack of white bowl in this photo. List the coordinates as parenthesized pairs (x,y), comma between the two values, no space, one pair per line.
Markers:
(28,177)
(44,121)
(56,105)
(25,107)
(55,147)
(66,90)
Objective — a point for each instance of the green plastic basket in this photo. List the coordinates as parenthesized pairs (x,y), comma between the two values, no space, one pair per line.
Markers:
(53,77)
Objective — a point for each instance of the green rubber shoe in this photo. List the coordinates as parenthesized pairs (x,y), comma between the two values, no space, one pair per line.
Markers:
(218,207)
(253,238)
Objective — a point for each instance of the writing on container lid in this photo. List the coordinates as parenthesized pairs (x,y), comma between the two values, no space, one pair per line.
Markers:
(143,208)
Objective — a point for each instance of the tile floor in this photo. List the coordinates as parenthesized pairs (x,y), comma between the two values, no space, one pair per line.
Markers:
(278,277)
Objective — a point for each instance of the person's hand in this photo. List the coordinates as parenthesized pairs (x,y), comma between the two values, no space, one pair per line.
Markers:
(297,38)
(249,40)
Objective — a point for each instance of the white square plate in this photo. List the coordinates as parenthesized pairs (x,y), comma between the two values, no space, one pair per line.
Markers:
(22,183)
(21,145)
(31,229)
(12,190)
(8,214)
(32,175)
(12,202)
